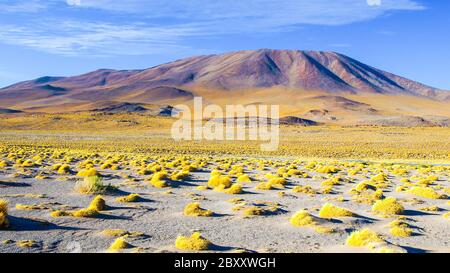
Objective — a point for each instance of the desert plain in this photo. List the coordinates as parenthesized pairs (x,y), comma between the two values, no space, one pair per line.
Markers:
(119,183)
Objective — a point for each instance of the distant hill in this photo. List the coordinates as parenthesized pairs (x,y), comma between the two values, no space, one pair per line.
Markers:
(314,85)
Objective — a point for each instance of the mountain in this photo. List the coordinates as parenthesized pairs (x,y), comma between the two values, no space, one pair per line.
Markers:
(287,77)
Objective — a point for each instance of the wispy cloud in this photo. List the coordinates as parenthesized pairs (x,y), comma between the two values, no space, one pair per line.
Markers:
(22,6)
(155,26)
(277,13)
(74,37)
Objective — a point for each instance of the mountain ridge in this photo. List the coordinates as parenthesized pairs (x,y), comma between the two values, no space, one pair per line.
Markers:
(285,77)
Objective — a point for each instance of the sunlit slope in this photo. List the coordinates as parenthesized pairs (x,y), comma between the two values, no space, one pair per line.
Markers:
(326,87)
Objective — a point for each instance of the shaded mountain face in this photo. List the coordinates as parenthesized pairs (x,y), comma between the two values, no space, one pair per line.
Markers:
(305,70)
(178,81)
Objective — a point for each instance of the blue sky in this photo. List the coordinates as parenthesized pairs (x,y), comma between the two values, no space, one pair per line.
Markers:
(410,38)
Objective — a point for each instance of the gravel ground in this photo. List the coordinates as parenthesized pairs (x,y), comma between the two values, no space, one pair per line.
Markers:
(159,216)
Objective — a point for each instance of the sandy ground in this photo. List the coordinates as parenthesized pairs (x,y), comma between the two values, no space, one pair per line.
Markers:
(159,216)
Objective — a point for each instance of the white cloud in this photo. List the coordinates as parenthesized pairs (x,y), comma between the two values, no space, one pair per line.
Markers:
(22,6)
(73,37)
(325,12)
(73,2)
(155,26)
(374,2)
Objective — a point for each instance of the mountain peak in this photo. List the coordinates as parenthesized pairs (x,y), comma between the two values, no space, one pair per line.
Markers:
(297,70)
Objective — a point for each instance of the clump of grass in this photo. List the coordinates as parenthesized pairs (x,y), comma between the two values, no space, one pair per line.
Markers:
(4,223)
(60,213)
(331,211)
(64,169)
(400,229)
(277,181)
(3,164)
(446,215)
(193,243)
(236,200)
(114,232)
(304,189)
(3,206)
(97,204)
(388,207)
(83,213)
(90,185)
(181,175)
(367,193)
(27,243)
(158,180)
(253,211)
(133,197)
(264,186)
(119,244)
(274,182)
(302,218)
(28,163)
(234,189)
(363,237)
(381,177)
(244,178)
(219,180)
(426,193)
(41,176)
(331,181)
(327,169)
(89,172)
(430,208)
(194,209)
(325,230)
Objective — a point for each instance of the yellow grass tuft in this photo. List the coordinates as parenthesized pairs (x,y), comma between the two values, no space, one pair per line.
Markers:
(400,231)
(83,213)
(27,243)
(325,230)
(158,180)
(90,185)
(244,178)
(331,211)
(114,232)
(4,223)
(193,243)
(430,208)
(234,189)
(363,237)
(64,169)
(253,211)
(388,207)
(98,204)
(3,206)
(88,172)
(119,244)
(219,180)
(426,193)
(133,197)
(302,218)
(304,189)
(194,209)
